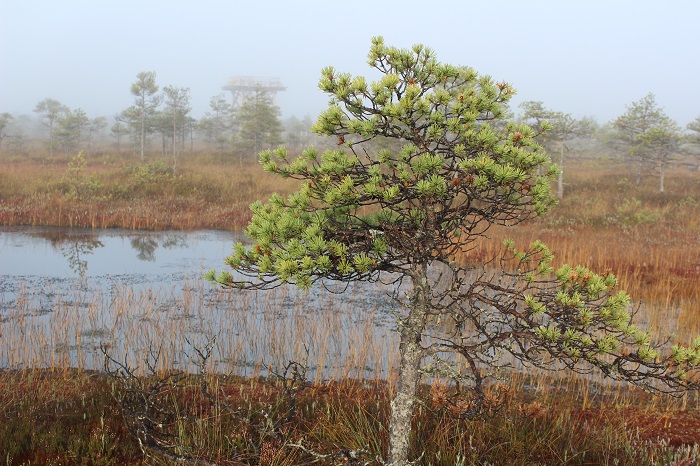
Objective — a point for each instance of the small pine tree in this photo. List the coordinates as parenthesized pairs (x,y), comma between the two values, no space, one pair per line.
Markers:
(406,214)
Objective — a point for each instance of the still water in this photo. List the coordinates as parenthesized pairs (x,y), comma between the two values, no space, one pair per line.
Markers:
(145,257)
(64,293)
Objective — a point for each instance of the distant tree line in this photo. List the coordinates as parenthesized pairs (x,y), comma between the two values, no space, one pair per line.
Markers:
(643,135)
(159,120)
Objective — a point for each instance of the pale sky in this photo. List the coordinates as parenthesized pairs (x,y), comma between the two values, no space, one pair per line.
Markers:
(586,57)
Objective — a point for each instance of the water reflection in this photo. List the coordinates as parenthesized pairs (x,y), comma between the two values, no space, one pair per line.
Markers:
(78,246)
(146,246)
(75,248)
(64,253)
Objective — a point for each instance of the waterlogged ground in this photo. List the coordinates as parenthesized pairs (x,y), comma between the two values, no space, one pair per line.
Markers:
(64,293)
(52,267)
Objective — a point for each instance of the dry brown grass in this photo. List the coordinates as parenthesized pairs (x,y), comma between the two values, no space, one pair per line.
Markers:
(121,192)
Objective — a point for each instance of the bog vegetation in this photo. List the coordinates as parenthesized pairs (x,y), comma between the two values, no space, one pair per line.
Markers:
(63,416)
(60,411)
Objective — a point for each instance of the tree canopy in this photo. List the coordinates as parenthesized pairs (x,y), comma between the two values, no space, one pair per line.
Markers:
(51,110)
(146,101)
(5,120)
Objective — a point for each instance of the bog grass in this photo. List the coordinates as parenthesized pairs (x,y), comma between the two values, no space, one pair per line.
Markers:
(120,191)
(57,406)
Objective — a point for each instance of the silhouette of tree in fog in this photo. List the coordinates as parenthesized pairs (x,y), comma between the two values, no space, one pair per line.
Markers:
(298,132)
(50,110)
(140,115)
(563,128)
(177,106)
(693,138)
(95,127)
(118,131)
(70,129)
(648,135)
(5,120)
(259,124)
(216,125)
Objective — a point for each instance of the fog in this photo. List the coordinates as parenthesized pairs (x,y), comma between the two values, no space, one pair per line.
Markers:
(585,58)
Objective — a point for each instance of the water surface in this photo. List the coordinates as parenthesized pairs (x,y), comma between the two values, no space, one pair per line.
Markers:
(62,253)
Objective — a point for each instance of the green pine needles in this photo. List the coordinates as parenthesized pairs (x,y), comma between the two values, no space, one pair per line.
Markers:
(452,170)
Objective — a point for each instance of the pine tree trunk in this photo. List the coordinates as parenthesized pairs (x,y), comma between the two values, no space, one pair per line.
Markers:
(143,134)
(639,172)
(174,139)
(411,351)
(662,174)
(51,138)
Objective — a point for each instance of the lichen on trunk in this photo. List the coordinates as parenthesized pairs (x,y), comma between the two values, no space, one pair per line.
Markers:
(411,354)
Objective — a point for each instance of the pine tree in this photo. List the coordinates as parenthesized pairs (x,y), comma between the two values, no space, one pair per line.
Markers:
(259,124)
(405,216)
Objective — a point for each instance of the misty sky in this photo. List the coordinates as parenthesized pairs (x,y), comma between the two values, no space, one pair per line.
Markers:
(588,58)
